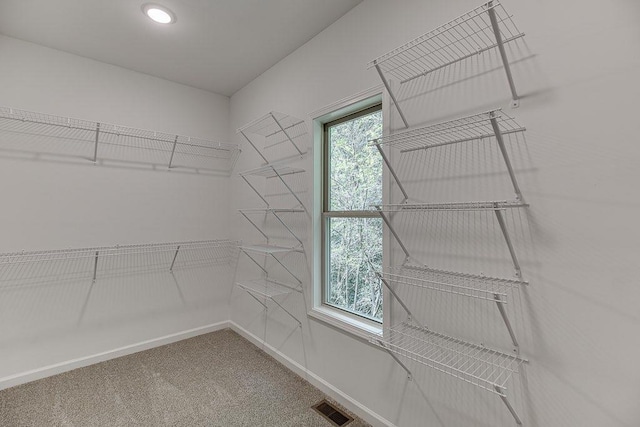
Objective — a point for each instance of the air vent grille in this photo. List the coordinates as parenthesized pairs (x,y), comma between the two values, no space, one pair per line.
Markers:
(332,414)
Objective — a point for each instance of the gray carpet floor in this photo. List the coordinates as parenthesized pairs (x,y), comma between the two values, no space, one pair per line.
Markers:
(217,379)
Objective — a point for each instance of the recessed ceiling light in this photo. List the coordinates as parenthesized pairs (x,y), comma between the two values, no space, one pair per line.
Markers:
(159,14)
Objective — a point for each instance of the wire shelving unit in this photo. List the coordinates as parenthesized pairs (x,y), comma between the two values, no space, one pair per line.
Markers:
(486,27)
(476,127)
(277,129)
(282,134)
(482,29)
(475,364)
(102,141)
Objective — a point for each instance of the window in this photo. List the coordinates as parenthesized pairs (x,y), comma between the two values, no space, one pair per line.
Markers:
(352,230)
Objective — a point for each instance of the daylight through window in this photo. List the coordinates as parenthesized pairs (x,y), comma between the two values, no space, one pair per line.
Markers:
(352,229)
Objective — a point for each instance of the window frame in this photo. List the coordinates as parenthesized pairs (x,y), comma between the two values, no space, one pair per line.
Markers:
(327,213)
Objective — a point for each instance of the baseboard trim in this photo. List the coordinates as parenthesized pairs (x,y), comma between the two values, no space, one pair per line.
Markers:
(58,368)
(344,399)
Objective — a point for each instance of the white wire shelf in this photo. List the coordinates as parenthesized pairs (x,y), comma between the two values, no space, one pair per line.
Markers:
(271,210)
(266,288)
(28,268)
(272,171)
(475,364)
(277,128)
(464,129)
(486,27)
(464,284)
(457,206)
(103,141)
(463,37)
(269,249)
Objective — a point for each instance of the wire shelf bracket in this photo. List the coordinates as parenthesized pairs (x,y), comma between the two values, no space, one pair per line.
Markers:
(276,214)
(486,368)
(481,287)
(496,206)
(270,251)
(486,27)
(267,290)
(490,124)
(273,171)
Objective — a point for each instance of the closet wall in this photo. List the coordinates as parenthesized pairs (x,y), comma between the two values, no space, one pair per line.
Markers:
(56,202)
(576,166)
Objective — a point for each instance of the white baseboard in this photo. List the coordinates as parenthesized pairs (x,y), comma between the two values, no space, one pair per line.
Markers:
(69,365)
(344,399)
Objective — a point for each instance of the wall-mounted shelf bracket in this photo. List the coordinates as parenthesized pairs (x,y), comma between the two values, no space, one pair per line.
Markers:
(274,171)
(267,290)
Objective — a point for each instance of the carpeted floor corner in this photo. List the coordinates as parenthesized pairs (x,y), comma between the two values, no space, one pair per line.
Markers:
(217,379)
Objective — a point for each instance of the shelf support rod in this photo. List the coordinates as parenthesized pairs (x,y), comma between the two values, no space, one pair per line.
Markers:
(257,299)
(502,395)
(386,221)
(95,268)
(286,269)
(507,239)
(393,172)
(286,226)
(254,189)
(289,188)
(175,256)
(287,311)
(383,280)
(393,97)
(398,361)
(264,270)
(255,226)
(254,147)
(286,134)
(503,53)
(95,148)
(173,151)
(505,155)
(505,318)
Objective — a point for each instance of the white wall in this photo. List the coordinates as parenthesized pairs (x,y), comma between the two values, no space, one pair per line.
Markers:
(576,73)
(56,201)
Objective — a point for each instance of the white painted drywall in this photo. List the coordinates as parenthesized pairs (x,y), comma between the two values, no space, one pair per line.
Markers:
(577,75)
(53,202)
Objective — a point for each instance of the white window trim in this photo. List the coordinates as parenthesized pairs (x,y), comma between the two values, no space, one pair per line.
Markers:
(340,319)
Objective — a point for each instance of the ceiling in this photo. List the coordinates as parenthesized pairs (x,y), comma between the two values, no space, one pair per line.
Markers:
(216,45)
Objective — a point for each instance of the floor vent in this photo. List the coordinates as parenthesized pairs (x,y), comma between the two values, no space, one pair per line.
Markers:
(332,414)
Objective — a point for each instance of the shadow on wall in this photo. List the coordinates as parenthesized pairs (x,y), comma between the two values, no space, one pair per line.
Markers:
(44,295)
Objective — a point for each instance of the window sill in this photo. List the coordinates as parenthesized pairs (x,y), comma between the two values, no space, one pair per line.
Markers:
(360,328)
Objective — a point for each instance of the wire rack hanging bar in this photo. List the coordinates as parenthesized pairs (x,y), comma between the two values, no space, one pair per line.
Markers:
(100,136)
(486,27)
(477,127)
(276,129)
(472,363)
(493,289)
